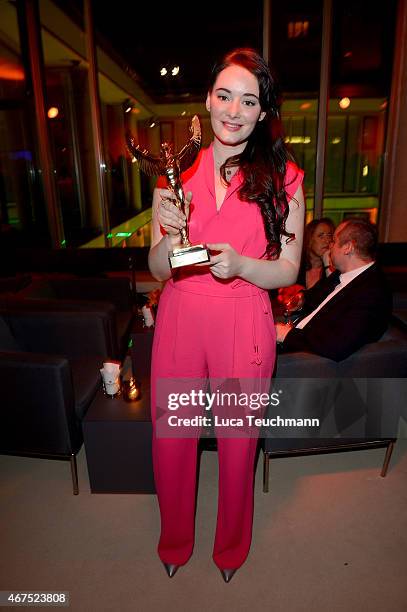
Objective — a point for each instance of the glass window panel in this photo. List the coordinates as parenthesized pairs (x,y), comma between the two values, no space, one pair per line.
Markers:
(352,154)
(23,217)
(296,44)
(335,148)
(310,145)
(12,72)
(296,30)
(66,77)
(296,138)
(370,155)
(363,39)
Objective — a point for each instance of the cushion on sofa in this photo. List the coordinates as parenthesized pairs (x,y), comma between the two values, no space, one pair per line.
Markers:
(86,381)
(7,340)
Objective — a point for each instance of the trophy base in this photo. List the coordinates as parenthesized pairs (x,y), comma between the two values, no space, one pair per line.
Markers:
(187,256)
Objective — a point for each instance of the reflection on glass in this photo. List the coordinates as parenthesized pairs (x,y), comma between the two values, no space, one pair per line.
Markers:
(134,95)
(362,50)
(23,220)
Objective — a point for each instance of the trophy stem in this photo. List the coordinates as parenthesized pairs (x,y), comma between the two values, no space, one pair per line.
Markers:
(184,237)
(180,204)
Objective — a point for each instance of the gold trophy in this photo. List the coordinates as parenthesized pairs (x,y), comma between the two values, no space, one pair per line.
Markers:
(171,166)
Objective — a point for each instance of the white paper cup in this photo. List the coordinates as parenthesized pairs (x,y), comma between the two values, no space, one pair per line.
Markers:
(112,388)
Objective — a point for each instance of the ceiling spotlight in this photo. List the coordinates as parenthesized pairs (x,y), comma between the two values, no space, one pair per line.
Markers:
(163,71)
(152,124)
(127,105)
(175,71)
(344,103)
(53,112)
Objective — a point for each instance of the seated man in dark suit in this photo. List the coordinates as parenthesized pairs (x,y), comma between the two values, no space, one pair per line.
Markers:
(351,307)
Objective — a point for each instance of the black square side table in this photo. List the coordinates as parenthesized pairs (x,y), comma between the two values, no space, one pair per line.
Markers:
(141,347)
(117,437)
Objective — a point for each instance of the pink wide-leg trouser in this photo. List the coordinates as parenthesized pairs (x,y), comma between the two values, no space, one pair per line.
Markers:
(200,335)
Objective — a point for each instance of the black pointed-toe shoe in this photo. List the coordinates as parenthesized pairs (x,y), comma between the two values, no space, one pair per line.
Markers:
(171,569)
(227,574)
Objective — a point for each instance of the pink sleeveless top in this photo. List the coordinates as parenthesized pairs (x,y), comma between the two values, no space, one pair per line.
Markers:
(238,223)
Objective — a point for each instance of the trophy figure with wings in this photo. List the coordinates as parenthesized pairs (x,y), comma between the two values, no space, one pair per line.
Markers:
(172,165)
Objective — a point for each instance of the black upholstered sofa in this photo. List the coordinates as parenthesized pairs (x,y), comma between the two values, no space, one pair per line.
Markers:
(59,294)
(381,367)
(49,375)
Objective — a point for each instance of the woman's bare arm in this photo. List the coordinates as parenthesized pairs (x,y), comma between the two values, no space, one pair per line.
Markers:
(281,272)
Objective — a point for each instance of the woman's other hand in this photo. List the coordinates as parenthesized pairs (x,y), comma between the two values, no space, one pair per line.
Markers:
(282,329)
(326,259)
(327,263)
(227,263)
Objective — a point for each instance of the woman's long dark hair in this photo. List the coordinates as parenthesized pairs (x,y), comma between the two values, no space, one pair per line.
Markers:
(263,161)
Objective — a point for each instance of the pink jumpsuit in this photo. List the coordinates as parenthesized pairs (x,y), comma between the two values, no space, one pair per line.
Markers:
(212,328)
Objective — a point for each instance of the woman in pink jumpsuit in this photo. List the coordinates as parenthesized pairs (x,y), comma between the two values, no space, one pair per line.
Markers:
(215,321)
